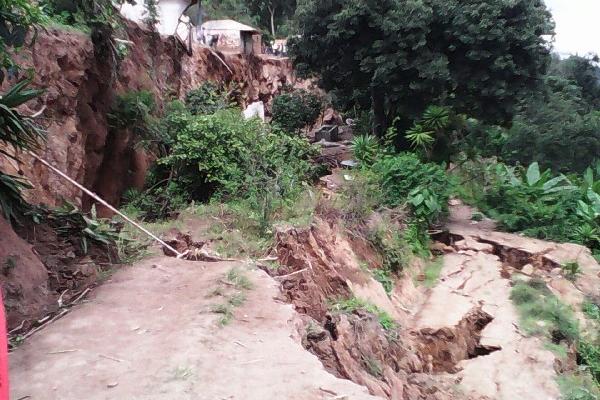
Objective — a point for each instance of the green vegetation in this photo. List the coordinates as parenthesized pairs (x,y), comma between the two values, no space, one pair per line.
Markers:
(208,151)
(397,58)
(207,99)
(539,204)
(404,179)
(365,149)
(354,304)
(591,310)
(578,387)
(18,132)
(295,110)
(385,277)
(232,289)
(542,313)
(571,269)
(432,272)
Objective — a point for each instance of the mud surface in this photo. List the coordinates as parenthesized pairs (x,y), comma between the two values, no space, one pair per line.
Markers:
(148,333)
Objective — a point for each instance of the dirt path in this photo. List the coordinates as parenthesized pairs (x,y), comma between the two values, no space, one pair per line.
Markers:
(148,333)
(517,367)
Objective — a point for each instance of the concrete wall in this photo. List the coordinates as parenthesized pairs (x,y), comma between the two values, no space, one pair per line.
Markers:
(228,39)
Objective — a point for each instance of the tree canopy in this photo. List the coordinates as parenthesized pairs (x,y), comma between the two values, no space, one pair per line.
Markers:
(272,13)
(398,56)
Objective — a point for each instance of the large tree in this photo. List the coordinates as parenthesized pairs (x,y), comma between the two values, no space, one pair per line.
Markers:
(272,13)
(398,56)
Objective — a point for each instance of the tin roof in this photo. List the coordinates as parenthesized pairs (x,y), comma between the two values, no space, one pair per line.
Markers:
(228,25)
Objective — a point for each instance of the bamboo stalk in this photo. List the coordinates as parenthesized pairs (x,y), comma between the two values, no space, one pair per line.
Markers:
(104,203)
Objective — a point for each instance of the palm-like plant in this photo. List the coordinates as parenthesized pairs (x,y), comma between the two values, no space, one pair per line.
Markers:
(365,148)
(436,118)
(420,136)
(16,129)
(20,133)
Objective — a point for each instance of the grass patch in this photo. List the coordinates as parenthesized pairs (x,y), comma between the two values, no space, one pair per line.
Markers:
(432,272)
(232,288)
(238,279)
(542,313)
(591,310)
(578,387)
(354,304)
(226,311)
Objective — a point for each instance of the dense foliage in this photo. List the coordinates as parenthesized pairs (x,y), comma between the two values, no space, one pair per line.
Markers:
(208,98)
(224,152)
(18,132)
(397,57)
(295,110)
(406,179)
(539,203)
(211,151)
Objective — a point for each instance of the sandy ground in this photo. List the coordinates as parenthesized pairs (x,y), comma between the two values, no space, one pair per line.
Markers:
(148,333)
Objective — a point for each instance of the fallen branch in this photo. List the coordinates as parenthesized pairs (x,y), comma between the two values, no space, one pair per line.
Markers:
(110,358)
(38,328)
(86,291)
(292,274)
(63,351)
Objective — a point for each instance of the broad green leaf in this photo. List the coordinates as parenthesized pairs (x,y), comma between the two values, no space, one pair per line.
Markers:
(533,174)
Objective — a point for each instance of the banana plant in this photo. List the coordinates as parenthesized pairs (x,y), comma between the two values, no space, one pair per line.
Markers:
(540,183)
(591,179)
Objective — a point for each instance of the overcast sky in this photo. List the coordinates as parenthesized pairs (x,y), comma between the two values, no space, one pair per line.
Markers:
(577,25)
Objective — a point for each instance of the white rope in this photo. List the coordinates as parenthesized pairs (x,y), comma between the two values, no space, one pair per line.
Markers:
(104,203)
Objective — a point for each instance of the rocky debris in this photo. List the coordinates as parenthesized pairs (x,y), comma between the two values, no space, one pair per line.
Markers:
(189,249)
(181,242)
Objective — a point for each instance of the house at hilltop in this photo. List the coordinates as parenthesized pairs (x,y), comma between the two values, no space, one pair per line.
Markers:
(234,36)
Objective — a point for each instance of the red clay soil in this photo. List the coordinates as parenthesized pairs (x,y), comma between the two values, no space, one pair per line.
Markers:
(38,266)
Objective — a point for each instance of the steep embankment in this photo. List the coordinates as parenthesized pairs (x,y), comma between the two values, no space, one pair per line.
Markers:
(80,87)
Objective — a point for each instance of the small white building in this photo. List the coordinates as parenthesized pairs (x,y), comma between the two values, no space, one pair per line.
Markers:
(169,13)
(234,36)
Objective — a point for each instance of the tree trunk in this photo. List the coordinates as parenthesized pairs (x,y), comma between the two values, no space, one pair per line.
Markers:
(378,106)
(272,12)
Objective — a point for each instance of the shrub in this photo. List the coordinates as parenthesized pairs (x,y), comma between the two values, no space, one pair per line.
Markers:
(365,149)
(238,159)
(425,186)
(296,110)
(207,99)
(133,110)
